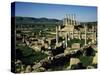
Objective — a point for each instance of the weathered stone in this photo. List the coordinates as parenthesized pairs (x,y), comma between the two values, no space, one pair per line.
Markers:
(74,61)
(76,45)
(37,65)
(28,69)
(94,59)
(18,61)
(90,67)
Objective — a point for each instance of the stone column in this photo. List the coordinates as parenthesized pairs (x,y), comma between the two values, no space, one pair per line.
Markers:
(85,34)
(59,30)
(66,38)
(95,35)
(59,27)
(56,35)
(80,35)
(73,34)
(23,39)
(92,34)
(66,20)
(71,19)
(74,19)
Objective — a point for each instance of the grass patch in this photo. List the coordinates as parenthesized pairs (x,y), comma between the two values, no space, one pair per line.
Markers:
(82,42)
(86,60)
(28,55)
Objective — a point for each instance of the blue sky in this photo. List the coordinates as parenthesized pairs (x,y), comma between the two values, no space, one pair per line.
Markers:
(38,10)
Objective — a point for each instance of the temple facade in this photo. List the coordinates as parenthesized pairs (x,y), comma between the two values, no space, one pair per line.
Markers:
(68,31)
